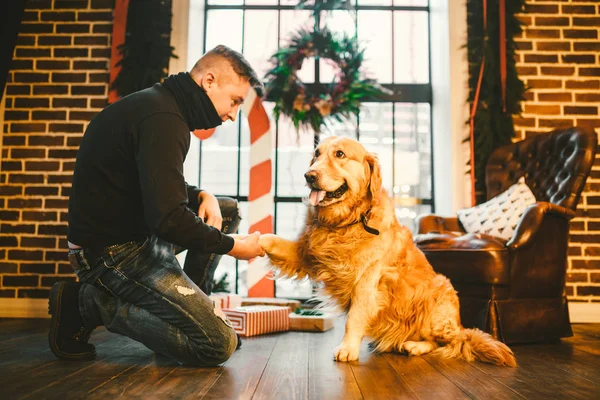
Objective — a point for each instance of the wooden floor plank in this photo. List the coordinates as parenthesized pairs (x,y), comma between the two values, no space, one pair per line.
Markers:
(571,360)
(240,375)
(377,379)
(292,365)
(328,379)
(471,380)
(423,379)
(286,374)
(45,379)
(538,378)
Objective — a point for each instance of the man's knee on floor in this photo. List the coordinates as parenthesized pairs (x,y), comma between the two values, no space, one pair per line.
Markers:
(221,350)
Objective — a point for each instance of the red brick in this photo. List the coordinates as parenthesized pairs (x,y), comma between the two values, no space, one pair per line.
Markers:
(88,90)
(8,241)
(35,242)
(556,97)
(31,77)
(69,52)
(583,290)
(555,123)
(544,83)
(72,28)
(95,16)
(102,77)
(109,4)
(50,89)
(20,280)
(578,9)
(71,4)
(587,84)
(551,21)
(68,77)
(66,127)
(42,165)
(586,21)
(585,264)
(18,89)
(102,28)
(553,46)
(25,178)
(52,230)
(52,64)
(53,153)
(58,16)
(43,191)
(90,65)
(10,115)
(580,33)
(570,110)
(55,40)
(541,58)
(28,102)
(586,46)
(82,115)
(69,102)
(35,293)
(49,115)
(37,268)
(46,140)
(10,268)
(27,153)
(541,9)
(542,33)
(577,277)
(587,97)
(24,203)
(542,110)
(6,190)
(11,165)
(578,58)
(560,71)
(94,40)
(28,27)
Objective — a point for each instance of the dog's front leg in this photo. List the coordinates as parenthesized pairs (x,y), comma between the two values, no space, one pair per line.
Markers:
(284,255)
(362,309)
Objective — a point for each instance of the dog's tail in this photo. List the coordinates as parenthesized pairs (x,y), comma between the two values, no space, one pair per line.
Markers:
(473,344)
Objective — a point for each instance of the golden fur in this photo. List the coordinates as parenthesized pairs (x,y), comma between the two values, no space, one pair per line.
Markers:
(384,282)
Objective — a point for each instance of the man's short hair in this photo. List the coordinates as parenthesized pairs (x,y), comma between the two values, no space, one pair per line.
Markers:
(238,63)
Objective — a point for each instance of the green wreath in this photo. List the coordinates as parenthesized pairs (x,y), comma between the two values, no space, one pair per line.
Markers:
(312,107)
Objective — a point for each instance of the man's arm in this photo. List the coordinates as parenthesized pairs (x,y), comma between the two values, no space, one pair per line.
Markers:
(163,143)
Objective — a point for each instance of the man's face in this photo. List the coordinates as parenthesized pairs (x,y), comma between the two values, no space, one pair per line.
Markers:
(227,93)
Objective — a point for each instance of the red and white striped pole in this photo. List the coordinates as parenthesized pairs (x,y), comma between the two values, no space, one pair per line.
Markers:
(260,208)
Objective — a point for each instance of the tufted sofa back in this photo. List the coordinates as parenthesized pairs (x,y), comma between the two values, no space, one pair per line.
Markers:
(555,165)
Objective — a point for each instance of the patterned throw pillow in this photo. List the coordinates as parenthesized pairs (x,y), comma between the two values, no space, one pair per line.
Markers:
(500,215)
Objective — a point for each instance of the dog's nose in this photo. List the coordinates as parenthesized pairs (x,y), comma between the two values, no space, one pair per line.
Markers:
(310,176)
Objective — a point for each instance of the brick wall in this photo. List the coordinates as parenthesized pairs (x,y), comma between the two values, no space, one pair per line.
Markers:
(559,59)
(57,82)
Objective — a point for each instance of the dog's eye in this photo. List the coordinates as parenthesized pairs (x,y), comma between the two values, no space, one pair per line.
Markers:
(340,154)
(317,153)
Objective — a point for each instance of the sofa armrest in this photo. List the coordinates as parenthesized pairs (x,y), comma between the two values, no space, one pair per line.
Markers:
(531,220)
(435,223)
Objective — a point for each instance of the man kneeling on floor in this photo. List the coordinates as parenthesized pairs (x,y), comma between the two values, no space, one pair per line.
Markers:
(130,210)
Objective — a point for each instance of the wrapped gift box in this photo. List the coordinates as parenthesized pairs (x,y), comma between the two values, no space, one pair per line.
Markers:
(257,320)
(226,300)
(270,301)
(311,323)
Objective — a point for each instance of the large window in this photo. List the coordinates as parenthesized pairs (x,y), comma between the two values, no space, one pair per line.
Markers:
(397,127)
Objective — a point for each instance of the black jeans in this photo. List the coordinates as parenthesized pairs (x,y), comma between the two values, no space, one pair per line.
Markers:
(200,267)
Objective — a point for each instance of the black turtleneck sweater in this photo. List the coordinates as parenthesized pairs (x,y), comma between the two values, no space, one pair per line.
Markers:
(128,180)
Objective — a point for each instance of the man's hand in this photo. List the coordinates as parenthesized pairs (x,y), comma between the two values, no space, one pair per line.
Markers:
(246,247)
(209,210)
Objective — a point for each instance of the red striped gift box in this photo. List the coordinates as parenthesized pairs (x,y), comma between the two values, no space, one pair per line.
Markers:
(258,320)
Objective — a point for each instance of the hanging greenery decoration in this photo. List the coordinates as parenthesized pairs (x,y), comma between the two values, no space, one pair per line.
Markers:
(498,98)
(313,106)
(325,5)
(147,48)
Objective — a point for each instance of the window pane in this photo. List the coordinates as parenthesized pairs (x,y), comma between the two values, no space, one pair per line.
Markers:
(411,47)
(260,39)
(375,34)
(375,130)
(261,2)
(412,171)
(224,27)
(294,155)
(226,2)
(291,21)
(418,3)
(374,2)
(219,160)
(290,221)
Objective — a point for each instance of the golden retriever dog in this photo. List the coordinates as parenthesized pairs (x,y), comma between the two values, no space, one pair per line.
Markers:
(370,267)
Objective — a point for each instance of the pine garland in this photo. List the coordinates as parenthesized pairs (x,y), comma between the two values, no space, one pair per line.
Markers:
(493,126)
(312,108)
(147,48)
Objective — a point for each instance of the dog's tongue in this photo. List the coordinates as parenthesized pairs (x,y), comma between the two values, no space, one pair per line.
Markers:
(316,196)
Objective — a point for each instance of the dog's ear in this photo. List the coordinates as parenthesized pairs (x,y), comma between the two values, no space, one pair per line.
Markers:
(375,183)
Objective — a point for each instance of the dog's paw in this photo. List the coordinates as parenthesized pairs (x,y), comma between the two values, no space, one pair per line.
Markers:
(267,242)
(344,354)
(417,348)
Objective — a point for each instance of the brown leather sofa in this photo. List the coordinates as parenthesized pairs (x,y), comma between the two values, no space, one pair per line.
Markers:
(515,289)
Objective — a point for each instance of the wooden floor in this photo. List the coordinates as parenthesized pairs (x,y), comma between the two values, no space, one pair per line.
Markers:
(293,365)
